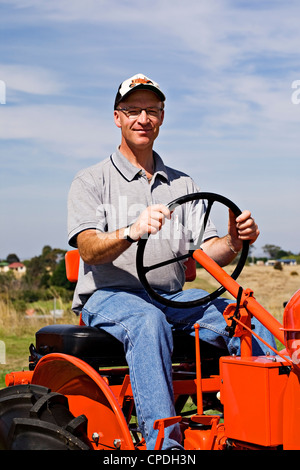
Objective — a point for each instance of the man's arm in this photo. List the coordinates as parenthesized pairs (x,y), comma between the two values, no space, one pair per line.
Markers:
(224,250)
(97,247)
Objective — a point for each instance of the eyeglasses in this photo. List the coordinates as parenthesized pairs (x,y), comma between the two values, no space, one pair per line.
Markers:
(133,113)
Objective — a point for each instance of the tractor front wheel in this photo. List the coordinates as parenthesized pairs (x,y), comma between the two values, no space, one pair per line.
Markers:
(34,418)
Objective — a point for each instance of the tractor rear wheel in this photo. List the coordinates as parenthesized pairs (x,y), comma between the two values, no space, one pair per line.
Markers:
(34,418)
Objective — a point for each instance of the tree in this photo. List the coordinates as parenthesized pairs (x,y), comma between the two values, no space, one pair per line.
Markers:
(59,278)
(272,250)
(12,258)
(40,268)
(51,256)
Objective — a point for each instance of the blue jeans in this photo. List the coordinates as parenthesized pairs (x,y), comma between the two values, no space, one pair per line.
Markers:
(145,329)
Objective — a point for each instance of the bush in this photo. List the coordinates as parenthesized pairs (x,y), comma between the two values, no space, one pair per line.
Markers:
(19,305)
(30,295)
(278,266)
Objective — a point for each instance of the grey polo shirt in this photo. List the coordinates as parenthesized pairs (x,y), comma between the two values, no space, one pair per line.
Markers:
(111,195)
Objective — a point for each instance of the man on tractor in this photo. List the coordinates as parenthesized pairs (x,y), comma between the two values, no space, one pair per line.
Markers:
(111,206)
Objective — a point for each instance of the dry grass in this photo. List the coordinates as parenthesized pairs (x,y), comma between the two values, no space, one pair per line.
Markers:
(17,332)
(18,323)
(271,287)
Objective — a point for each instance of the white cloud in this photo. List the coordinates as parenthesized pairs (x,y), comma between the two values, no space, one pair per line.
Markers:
(30,79)
(220,30)
(67,130)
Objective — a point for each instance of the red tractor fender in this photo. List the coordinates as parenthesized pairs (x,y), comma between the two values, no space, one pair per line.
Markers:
(88,394)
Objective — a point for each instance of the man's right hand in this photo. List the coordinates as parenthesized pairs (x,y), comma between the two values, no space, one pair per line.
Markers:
(150,221)
(103,247)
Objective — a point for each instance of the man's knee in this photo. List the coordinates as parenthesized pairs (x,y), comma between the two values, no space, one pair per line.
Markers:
(154,319)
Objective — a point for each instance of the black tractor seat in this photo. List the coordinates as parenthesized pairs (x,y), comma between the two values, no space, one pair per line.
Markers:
(100,349)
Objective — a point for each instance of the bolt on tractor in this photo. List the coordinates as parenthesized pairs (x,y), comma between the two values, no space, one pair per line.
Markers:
(77,392)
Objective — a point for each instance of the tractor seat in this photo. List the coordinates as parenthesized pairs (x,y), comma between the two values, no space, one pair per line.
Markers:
(100,349)
(94,346)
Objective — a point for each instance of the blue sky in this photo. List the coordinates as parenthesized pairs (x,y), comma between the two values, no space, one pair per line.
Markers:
(232,116)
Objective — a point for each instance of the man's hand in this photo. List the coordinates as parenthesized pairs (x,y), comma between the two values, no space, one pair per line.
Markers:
(241,228)
(150,221)
(102,247)
(223,250)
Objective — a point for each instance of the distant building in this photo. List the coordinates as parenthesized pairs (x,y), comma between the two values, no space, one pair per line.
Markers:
(283,262)
(271,262)
(18,268)
(260,263)
(4,267)
(290,262)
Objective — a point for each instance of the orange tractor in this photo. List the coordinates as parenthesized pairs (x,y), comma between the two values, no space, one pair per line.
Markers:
(77,392)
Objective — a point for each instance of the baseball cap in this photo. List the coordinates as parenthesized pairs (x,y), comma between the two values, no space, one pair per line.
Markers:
(137,82)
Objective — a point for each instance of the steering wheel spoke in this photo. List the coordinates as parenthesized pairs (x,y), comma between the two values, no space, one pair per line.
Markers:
(168,261)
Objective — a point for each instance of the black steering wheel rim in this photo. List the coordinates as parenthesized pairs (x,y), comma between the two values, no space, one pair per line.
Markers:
(143,270)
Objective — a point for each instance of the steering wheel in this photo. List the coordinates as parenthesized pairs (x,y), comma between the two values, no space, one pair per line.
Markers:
(143,270)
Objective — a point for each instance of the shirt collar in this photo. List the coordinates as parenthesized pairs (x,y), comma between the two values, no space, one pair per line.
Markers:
(129,171)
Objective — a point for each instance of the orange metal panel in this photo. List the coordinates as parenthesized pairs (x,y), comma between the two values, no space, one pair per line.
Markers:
(252,392)
(291,416)
(18,378)
(72,259)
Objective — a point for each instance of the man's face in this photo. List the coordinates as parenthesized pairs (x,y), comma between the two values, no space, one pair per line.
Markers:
(140,132)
